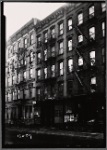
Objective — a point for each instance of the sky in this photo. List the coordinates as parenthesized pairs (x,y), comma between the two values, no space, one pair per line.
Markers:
(19,13)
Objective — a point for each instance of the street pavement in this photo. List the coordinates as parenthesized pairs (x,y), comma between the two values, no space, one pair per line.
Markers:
(52,138)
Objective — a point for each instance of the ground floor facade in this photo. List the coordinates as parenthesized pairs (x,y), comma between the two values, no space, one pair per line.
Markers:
(59,111)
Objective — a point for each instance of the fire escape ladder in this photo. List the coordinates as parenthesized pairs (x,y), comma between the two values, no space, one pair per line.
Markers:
(80,55)
(77,29)
(80,81)
(77,76)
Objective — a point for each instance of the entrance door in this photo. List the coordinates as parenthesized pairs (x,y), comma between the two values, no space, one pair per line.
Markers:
(47,114)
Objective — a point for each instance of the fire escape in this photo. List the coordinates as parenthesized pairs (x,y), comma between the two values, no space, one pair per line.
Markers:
(49,58)
(78,49)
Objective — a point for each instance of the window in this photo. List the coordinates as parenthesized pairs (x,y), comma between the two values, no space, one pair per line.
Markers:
(24,61)
(69,87)
(60,89)
(38,41)
(13,94)
(13,79)
(103,29)
(9,52)
(31,56)
(46,37)
(92,33)
(45,92)
(80,38)
(92,58)
(31,73)
(45,73)
(70,65)
(53,51)
(24,75)
(53,32)
(103,55)
(38,93)
(69,44)
(31,39)
(38,74)
(91,12)
(61,48)
(38,58)
(19,44)
(19,94)
(69,24)
(14,48)
(61,29)
(61,68)
(53,70)
(93,84)
(25,43)
(8,81)
(19,77)
(80,18)
(21,62)
(103,6)
(80,61)
(52,90)
(30,92)
(45,54)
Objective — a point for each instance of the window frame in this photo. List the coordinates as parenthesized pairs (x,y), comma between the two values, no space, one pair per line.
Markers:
(92,34)
(61,69)
(31,72)
(38,58)
(24,75)
(25,42)
(38,41)
(70,45)
(92,58)
(61,29)
(80,38)
(19,44)
(103,6)
(45,55)
(93,85)
(80,18)
(31,39)
(79,59)
(53,70)
(45,72)
(38,74)
(61,48)
(38,94)
(69,25)
(9,52)
(53,51)
(103,55)
(14,48)
(91,14)
(31,56)
(61,89)
(103,28)
(45,37)
(53,33)
(70,69)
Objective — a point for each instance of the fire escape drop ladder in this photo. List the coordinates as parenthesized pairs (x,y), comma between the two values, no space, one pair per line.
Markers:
(75,72)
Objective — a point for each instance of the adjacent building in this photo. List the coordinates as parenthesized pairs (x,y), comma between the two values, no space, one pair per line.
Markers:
(20,74)
(62,78)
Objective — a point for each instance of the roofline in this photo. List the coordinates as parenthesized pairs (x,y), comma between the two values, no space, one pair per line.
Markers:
(60,8)
(33,20)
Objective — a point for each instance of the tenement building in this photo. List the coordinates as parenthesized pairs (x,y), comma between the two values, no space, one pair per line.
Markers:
(55,68)
(20,74)
(70,64)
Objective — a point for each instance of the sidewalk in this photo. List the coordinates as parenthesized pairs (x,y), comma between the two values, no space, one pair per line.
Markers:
(53,131)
